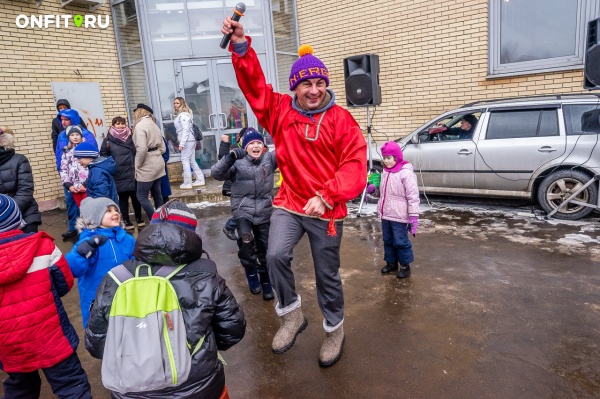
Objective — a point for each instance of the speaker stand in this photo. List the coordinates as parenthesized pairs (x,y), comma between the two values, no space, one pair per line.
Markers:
(364,193)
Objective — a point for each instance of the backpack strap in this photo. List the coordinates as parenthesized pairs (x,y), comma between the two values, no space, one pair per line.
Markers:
(168,271)
(120,274)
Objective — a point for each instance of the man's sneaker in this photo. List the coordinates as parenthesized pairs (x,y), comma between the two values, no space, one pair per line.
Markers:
(140,222)
(230,234)
(68,234)
(198,183)
(129,225)
(186,186)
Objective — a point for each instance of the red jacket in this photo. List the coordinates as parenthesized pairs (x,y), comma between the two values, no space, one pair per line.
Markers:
(34,329)
(332,165)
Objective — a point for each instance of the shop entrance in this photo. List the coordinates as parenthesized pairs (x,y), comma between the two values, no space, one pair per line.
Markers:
(210,88)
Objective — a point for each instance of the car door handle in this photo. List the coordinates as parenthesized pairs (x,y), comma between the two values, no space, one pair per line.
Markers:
(546,149)
(464,152)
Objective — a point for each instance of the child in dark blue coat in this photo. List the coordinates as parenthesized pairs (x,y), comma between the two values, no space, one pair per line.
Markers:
(100,181)
(103,244)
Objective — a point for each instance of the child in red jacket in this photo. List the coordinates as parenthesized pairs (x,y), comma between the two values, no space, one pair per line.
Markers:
(34,329)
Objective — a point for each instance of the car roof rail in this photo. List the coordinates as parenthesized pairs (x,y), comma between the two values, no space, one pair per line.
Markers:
(525,98)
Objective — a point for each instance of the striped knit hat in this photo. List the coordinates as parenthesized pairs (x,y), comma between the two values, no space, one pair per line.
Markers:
(176,212)
(10,215)
(86,150)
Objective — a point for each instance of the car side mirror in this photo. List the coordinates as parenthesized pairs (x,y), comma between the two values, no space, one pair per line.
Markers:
(421,137)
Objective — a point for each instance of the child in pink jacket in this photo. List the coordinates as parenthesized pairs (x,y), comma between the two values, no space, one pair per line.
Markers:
(398,208)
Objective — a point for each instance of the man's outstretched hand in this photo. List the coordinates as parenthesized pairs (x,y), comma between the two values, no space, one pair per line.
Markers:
(314,207)
(238,35)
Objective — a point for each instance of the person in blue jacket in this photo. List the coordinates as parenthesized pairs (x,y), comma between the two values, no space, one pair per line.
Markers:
(100,181)
(70,117)
(103,244)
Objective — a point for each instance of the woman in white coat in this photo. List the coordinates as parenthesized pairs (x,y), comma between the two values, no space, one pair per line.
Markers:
(184,122)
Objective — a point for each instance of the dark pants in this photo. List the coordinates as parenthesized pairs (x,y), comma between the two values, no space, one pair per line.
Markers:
(72,209)
(396,245)
(67,379)
(286,230)
(143,189)
(252,243)
(124,205)
(30,228)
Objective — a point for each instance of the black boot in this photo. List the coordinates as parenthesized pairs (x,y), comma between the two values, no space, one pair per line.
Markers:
(389,267)
(267,290)
(253,281)
(404,271)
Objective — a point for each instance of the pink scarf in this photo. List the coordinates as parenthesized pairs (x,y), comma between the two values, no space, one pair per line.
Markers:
(121,134)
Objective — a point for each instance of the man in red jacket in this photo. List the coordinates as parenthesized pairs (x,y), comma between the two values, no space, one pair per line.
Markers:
(322,154)
(35,332)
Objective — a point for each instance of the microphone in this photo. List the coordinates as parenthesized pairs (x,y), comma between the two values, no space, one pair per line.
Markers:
(238,13)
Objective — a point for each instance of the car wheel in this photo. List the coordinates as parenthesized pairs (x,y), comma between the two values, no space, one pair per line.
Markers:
(559,186)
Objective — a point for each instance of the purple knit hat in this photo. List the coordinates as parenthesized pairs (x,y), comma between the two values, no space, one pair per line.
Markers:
(391,148)
(307,67)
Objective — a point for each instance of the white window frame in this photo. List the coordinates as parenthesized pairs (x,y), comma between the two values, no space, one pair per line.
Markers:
(587,10)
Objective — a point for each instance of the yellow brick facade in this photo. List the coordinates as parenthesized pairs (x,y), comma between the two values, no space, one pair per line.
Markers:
(433,57)
(33,58)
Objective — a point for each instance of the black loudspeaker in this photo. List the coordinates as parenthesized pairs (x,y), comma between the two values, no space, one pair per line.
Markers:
(591,70)
(361,77)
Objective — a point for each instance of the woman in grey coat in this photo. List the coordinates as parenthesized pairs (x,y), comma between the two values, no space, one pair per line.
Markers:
(149,163)
(250,169)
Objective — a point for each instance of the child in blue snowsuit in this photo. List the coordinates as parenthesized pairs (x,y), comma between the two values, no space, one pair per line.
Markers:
(100,181)
(103,244)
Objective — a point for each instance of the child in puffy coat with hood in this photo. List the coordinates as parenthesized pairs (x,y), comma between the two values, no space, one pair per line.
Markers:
(398,208)
(103,244)
(212,316)
(35,332)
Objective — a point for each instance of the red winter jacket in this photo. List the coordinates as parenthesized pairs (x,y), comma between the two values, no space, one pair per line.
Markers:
(332,164)
(34,329)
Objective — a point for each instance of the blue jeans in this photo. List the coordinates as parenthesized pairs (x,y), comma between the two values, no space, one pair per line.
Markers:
(72,209)
(396,245)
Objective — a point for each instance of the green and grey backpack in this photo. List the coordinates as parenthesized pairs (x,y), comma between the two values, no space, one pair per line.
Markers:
(146,345)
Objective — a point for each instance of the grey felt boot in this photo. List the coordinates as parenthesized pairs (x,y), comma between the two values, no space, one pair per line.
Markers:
(331,350)
(290,325)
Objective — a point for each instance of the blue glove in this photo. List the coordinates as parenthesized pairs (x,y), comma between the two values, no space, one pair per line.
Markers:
(88,248)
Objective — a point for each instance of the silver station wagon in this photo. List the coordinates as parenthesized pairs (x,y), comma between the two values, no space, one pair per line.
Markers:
(543,148)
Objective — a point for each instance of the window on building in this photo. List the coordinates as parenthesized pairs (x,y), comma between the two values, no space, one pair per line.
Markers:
(286,39)
(522,123)
(130,54)
(532,36)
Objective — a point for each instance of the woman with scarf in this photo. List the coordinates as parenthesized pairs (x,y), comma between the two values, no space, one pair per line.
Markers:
(119,144)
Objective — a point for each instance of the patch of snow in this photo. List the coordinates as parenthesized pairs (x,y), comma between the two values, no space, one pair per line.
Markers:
(206,204)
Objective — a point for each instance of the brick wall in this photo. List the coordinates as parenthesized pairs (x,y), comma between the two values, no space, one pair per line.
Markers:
(433,56)
(31,60)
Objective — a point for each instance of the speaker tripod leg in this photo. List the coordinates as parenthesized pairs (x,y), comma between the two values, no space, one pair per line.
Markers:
(362,201)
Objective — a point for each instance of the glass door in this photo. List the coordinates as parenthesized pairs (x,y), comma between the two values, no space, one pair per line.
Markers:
(219,107)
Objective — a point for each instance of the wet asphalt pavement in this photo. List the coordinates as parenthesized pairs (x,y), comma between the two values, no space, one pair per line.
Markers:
(499,305)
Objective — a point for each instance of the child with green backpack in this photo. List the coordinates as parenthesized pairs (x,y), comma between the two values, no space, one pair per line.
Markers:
(160,319)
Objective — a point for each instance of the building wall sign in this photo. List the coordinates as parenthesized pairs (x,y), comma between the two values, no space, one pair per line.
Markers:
(46,21)
(86,99)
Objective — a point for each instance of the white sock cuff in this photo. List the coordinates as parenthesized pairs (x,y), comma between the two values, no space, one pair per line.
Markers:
(329,329)
(293,306)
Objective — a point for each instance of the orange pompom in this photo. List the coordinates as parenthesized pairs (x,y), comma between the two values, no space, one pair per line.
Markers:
(305,49)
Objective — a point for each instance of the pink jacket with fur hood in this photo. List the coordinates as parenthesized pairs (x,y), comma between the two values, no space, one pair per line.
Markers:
(399,195)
